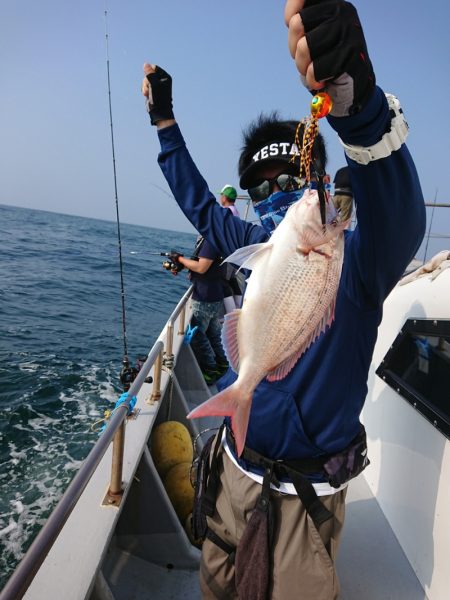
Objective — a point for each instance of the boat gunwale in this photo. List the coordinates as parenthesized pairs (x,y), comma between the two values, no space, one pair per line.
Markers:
(24,574)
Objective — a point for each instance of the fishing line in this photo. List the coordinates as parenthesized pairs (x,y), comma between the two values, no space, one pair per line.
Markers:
(429,228)
(162,190)
(116,196)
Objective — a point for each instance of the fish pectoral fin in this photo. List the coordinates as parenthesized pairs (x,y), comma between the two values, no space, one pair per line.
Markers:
(230,338)
(248,257)
(303,250)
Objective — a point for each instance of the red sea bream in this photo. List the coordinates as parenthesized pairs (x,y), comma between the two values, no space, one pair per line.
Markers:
(289,301)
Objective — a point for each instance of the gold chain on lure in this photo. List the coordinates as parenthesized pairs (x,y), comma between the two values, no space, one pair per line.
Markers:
(321,105)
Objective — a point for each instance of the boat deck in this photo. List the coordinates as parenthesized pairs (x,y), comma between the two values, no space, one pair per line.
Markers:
(371,563)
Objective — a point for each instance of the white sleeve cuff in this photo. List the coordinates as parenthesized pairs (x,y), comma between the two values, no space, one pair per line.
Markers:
(390,142)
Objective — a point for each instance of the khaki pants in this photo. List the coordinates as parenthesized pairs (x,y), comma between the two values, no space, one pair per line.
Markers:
(302,555)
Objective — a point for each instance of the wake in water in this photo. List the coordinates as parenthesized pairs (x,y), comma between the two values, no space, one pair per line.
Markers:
(47,440)
(61,349)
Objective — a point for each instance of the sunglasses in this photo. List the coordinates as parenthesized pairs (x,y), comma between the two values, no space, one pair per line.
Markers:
(286,183)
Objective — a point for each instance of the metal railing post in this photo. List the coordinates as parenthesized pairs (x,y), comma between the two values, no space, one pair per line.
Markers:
(169,342)
(181,324)
(156,392)
(115,488)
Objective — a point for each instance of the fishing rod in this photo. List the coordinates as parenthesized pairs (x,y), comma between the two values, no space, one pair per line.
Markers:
(437,204)
(429,228)
(128,373)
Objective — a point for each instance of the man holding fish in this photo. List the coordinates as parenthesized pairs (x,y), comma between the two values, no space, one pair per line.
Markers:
(301,346)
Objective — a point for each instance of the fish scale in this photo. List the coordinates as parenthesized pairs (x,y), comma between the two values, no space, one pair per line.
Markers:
(302,273)
(289,302)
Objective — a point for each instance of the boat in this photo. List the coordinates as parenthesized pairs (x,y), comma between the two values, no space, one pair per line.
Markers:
(115,534)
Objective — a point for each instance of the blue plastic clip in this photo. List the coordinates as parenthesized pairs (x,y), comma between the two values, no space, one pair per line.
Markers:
(189,334)
(123,398)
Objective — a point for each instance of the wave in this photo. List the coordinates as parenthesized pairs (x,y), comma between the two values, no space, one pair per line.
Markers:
(61,349)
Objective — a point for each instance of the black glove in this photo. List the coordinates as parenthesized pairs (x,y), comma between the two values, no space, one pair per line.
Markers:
(172,264)
(159,103)
(174,255)
(339,53)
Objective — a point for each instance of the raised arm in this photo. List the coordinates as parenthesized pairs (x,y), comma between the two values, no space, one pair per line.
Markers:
(326,41)
(218,225)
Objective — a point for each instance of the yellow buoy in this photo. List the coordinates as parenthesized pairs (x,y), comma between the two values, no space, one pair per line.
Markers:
(179,489)
(171,444)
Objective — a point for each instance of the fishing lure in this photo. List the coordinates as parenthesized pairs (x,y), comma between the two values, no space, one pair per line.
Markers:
(321,105)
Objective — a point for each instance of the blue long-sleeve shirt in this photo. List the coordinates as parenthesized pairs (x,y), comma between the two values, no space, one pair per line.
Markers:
(315,409)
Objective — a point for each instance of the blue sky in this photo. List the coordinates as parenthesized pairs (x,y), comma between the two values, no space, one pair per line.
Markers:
(229,61)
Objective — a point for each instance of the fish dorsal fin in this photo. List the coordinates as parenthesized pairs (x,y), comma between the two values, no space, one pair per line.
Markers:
(248,257)
(230,339)
(287,365)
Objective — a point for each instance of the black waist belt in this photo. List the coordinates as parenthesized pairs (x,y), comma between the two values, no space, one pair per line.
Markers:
(295,471)
(306,466)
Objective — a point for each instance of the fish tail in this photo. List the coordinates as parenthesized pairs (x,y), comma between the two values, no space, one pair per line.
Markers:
(232,402)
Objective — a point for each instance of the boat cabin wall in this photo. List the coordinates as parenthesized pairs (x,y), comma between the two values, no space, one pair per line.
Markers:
(410,458)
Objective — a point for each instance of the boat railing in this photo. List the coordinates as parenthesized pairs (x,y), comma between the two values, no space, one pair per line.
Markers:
(159,355)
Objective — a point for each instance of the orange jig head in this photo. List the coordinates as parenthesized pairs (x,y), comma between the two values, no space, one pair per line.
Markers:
(321,105)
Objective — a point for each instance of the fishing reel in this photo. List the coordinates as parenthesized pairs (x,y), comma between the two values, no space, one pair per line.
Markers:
(172,264)
(128,373)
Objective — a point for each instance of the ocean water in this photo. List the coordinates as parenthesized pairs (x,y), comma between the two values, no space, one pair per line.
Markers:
(61,348)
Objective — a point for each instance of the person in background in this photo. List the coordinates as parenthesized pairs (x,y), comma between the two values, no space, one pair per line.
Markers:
(206,274)
(276,512)
(227,199)
(232,293)
(343,194)
(233,282)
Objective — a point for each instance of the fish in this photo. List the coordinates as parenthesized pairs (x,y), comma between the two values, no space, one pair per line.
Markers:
(289,301)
